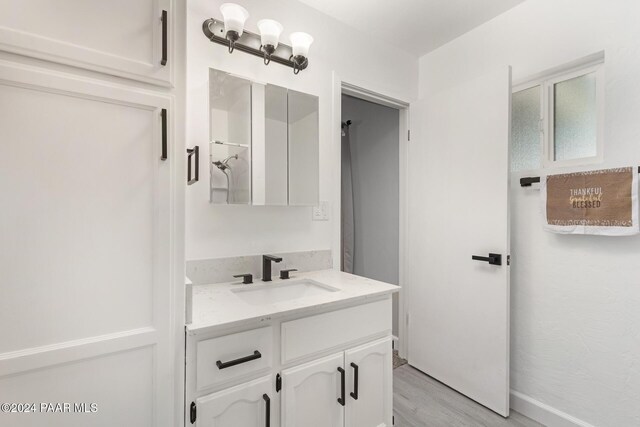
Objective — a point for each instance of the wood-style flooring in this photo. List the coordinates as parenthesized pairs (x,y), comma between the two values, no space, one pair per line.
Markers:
(419,401)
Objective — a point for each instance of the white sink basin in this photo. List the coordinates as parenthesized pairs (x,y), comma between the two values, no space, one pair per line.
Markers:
(267,293)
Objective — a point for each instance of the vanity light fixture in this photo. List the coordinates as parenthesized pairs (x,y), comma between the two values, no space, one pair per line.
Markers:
(270,31)
(234,17)
(300,43)
(230,32)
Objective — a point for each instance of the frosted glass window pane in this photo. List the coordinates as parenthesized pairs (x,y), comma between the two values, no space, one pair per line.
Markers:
(525,132)
(575,118)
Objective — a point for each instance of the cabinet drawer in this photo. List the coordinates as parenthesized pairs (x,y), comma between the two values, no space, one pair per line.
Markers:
(232,357)
(310,335)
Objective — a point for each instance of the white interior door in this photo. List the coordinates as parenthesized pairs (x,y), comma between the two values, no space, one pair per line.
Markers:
(459,307)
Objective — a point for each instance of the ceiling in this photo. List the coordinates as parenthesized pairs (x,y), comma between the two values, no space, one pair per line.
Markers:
(417,26)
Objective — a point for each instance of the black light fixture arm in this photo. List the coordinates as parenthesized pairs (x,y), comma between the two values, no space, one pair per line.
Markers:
(267,51)
(249,42)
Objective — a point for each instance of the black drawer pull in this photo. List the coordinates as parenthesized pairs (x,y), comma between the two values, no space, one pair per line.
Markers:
(222,365)
(193,152)
(267,409)
(341,399)
(354,393)
(163,114)
(163,61)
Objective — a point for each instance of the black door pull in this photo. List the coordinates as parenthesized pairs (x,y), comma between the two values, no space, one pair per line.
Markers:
(164,19)
(341,399)
(354,393)
(222,365)
(267,410)
(163,115)
(195,153)
(493,259)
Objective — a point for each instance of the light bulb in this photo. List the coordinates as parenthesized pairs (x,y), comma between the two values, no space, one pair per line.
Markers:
(270,31)
(234,17)
(300,43)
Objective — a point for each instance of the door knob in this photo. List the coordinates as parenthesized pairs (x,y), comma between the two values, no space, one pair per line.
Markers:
(493,259)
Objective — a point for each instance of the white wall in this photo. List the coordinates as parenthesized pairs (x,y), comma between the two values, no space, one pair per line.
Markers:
(575,299)
(375,166)
(219,231)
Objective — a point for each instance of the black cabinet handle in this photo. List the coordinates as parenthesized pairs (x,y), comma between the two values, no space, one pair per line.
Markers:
(193,413)
(267,416)
(163,61)
(222,365)
(193,152)
(493,259)
(341,399)
(354,393)
(163,114)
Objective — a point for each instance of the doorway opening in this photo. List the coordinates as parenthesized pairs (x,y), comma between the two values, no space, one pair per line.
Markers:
(374,133)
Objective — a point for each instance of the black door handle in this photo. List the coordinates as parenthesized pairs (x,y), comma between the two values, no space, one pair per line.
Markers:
(354,393)
(163,115)
(223,365)
(267,410)
(193,152)
(493,259)
(164,19)
(341,399)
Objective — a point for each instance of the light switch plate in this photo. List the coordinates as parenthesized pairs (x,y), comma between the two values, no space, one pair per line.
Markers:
(321,212)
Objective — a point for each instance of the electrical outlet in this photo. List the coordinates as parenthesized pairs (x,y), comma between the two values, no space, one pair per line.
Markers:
(321,212)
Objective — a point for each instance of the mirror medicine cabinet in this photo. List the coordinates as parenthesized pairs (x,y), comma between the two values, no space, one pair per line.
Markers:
(264,146)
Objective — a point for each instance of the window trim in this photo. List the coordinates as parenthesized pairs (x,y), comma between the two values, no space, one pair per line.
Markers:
(546,81)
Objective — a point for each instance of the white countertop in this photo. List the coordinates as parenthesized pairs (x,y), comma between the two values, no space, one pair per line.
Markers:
(218,305)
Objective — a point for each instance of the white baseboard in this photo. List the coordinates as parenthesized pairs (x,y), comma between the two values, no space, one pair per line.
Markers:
(543,413)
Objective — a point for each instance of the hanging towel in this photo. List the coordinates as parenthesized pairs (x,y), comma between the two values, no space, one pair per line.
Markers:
(602,202)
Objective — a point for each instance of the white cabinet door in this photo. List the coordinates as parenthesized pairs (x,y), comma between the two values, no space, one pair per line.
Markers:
(370,395)
(310,394)
(120,37)
(246,405)
(85,249)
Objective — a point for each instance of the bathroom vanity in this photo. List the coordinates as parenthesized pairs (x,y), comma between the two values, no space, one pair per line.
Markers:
(314,350)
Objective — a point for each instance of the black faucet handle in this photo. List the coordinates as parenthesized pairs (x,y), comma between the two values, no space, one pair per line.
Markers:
(284,274)
(247,279)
